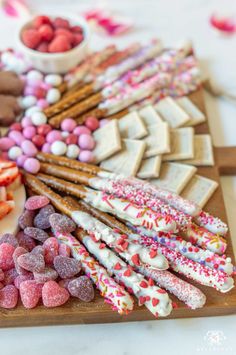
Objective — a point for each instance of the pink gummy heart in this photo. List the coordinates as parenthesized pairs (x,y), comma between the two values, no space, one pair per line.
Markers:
(6,256)
(30,293)
(10,276)
(51,250)
(8,297)
(53,295)
(21,278)
(18,252)
(66,267)
(46,275)
(32,262)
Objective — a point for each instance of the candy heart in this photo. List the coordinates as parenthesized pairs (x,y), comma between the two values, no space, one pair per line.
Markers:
(66,267)
(30,293)
(8,297)
(61,223)
(18,252)
(82,288)
(42,219)
(51,249)
(6,256)
(31,262)
(36,233)
(53,295)
(46,275)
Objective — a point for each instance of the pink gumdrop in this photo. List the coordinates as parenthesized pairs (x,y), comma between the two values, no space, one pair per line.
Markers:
(86,156)
(42,103)
(103,122)
(17,137)
(21,160)
(44,129)
(39,92)
(68,124)
(86,142)
(16,126)
(32,165)
(46,148)
(81,130)
(92,123)
(6,143)
(26,121)
(53,136)
(29,132)
(71,139)
(29,148)
(4,156)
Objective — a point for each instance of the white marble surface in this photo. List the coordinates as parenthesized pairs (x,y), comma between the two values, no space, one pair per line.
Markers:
(170,20)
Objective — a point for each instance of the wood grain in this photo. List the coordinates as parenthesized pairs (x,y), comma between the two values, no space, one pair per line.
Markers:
(76,312)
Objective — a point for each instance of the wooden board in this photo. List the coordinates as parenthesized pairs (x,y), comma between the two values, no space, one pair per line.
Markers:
(76,312)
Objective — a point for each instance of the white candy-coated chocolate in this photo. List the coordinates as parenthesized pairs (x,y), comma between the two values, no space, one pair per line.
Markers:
(28,101)
(53,79)
(53,95)
(58,148)
(72,151)
(38,118)
(14,152)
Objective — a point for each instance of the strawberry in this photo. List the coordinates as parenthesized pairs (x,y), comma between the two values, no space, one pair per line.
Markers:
(59,44)
(3,193)
(41,20)
(43,47)
(5,164)
(4,209)
(14,184)
(7,176)
(76,29)
(65,32)
(31,38)
(78,38)
(61,23)
(46,32)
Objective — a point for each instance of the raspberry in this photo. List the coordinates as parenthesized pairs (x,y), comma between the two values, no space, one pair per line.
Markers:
(25,241)
(51,249)
(61,223)
(78,38)
(26,219)
(6,256)
(10,239)
(42,218)
(66,267)
(36,202)
(53,295)
(61,23)
(31,38)
(82,288)
(46,275)
(65,32)
(31,262)
(18,252)
(36,233)
(21,278)
(30,293)
(42,47)
(64,250)
(41,20)
(8,297)
(10,276)
(59,44)
(46,32)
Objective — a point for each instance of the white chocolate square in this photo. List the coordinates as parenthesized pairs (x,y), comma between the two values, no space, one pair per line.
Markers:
(203,151)
(199,189)
(181,144)
(196,116)
(158,140)
(171,112)
(174,177)
(149,115)
(131,126)
(150,168)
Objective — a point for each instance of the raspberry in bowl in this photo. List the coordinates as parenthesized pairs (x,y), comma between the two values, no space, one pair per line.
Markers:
(54,44)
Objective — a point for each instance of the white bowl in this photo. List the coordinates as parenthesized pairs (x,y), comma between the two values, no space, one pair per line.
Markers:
(59,63)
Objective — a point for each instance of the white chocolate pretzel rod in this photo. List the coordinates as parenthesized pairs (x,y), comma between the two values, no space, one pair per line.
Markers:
(199,273)
(211,223)
(154,298)
(113,293)
(134,254)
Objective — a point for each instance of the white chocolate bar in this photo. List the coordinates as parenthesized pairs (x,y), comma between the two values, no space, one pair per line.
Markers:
(199,189)
(172,113)
(181,144)
(128,160)
(203,151)
(196,116)
(158,140)
(174,177)
(107,140)
(149,115)
(150,168)
(131,126)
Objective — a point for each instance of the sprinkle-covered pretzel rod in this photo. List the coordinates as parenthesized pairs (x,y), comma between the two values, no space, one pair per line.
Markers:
(199,273)
(211,223)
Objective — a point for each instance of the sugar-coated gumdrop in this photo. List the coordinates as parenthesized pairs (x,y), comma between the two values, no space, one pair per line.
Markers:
(10,276)
(18,252)
(82,288)
(42,219)
(1,275)
(8,297)
(66,267)
(53,295)
(61,223)
(64,250)
(46,275)
(10,239)
(21,278)
(25,241)
(26,219)
(36,233)
(31,262)
(6,256)
(51,249)
(30,293)
(36,202)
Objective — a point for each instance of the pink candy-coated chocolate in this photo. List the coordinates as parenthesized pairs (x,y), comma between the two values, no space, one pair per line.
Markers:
(38,140)
(39,92)
(92,123)
(32,165)
(68,124)
(46,148)
(21,160)
(26,121)
(42,103)
(53,136)
(71,139)
(86,156)
(86,142)
(44,129)
(6,143)
(29,90)
(16,127)
(29,148)
(29,132)
(17,137)
(81,130)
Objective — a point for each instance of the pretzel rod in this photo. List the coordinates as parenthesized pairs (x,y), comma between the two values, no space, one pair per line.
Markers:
(113,293)
(96,112)
(195,271)
(154,298)
(211,223)
(73,88)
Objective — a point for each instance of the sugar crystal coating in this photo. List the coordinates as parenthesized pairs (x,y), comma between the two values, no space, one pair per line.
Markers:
(36,233)
(53,295)
(82,288)
(51,249)
(26,219)
(19,251)
(46,275)
(36,202)
(66,267)
(30,293)
(64,250)
(10,239)
(32,262)
(6,256)
(8,297)
(10,276)
(21,278)
(61,223)
(25,241)
(41,220)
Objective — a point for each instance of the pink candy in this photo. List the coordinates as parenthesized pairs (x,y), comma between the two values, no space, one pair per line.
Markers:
(81,130)
(21,160)
(29,148)
(29,132)
(17,137)
(68,125)
(26,121)
(51,250)
(30,293)
(6,256)
(8,297)
(53,136)
(92,123)
(86,156)
(53,295)
(6,143)
(36,202)
(66,267)
(86,142)
(32,165)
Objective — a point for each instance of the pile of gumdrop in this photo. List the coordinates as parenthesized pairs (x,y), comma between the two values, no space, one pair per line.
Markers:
(34,266)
